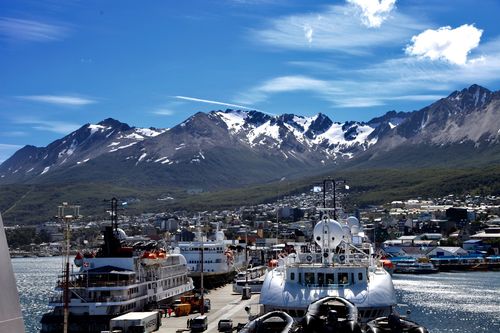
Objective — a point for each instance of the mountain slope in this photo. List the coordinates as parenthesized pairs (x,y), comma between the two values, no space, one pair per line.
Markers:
(233,148)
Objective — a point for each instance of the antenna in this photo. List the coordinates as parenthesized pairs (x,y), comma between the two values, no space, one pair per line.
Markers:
(114,213)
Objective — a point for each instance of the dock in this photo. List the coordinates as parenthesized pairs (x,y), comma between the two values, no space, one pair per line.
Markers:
(224,305)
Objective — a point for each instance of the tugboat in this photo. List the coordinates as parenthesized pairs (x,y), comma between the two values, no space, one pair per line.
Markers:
(118,279)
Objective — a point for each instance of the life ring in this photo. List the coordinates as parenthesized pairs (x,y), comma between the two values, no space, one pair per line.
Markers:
(342,258)
(309,258)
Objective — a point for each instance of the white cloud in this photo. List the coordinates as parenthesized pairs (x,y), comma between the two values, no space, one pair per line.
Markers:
(293,83)
(60,127)
(308,33)
(163,112)
(374,12)
(445,43)
(193,99)
(29,30)
(334,29)
(59,100)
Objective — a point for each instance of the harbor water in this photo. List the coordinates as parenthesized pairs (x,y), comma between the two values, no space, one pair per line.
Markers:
(444,302)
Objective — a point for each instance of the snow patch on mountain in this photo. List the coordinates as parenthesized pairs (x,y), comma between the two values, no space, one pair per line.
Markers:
(123,147)
(96,128)
(234,120)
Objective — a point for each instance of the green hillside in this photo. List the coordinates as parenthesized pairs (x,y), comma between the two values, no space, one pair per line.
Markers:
(32,204)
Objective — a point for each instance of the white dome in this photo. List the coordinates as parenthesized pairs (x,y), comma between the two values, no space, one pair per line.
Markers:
(352,221)
(121,234)
(328,233)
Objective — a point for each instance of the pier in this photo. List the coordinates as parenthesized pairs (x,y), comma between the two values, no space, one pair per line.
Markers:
(224,305)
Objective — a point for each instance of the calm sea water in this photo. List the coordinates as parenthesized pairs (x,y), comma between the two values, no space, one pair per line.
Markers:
(452,302)
(36,279)
(444,302)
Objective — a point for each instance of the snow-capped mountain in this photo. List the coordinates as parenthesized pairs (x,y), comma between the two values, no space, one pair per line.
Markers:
(77,148)
(234,147)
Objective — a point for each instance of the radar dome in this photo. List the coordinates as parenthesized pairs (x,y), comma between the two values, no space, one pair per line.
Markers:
(352,221)
(120,234)
(328,233)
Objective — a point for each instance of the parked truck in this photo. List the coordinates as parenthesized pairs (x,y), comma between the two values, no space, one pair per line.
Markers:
(195,302)
(136,322)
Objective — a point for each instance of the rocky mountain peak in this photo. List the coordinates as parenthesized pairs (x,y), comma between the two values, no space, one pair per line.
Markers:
(473,97)
(319,125)
(115,124)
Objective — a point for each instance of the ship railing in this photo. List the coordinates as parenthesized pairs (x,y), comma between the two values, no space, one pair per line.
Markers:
(85,284)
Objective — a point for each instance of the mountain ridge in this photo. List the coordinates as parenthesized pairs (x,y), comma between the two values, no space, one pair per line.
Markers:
(233,147)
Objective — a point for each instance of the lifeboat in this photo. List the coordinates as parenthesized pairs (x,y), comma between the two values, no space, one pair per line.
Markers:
(388,265)
(150,258)
(273,263)
(272,322)
(331,314)
(394,323)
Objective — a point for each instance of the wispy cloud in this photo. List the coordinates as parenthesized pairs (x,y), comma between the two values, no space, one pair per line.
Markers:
(29,30)
(193,99)
(59,100)
(6,151)
(373,12)
(163,112)
(445,43)
(60,127)
(336,29)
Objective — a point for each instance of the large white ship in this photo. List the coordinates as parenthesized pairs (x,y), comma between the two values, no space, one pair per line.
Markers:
(343,264)
(220,261)
(114,281)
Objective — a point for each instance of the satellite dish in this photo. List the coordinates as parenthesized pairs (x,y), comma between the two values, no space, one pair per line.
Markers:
(328,233)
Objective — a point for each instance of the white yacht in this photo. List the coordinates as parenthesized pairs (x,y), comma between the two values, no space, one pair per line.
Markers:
(220,262)
(342,264)
(114,281)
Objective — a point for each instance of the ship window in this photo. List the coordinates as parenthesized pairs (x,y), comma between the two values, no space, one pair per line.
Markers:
(321,278)
(292,276)
(300,277)
(330,278)
(309,278)
(360,276)
(343,278)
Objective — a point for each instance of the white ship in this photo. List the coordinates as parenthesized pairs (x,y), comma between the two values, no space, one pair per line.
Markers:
(252,278)
(220,262)
(114,281)
(343,265)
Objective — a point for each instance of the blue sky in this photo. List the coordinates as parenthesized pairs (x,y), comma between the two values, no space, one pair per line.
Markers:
(64,63)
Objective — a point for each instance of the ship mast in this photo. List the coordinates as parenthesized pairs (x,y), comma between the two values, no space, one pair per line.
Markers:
(67,219)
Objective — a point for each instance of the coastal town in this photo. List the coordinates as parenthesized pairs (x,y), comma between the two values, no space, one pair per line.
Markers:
(417,228)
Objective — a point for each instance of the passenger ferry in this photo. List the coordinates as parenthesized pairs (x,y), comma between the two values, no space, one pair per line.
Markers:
(220,262)
(341,264)
(116,280)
